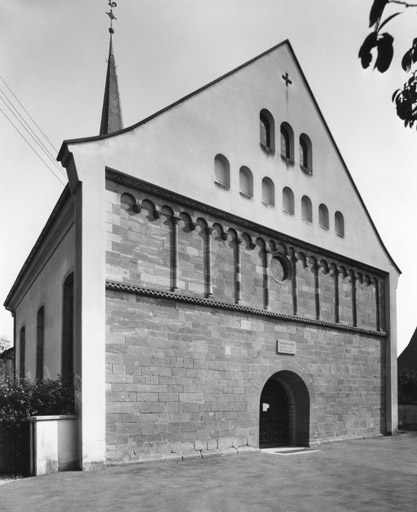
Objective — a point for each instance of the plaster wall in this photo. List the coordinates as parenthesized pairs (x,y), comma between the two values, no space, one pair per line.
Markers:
(46,290)
(176,150)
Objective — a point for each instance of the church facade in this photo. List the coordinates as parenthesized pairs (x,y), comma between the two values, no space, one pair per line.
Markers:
(212,280)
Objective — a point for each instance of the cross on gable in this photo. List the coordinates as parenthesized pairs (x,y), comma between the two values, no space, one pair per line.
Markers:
(287,80)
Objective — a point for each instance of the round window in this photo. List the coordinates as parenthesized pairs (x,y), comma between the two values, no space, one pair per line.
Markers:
(280,269)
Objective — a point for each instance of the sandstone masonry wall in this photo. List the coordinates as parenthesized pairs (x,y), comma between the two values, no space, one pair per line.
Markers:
(195,307)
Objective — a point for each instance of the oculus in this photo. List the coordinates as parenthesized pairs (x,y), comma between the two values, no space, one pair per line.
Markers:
(280,268)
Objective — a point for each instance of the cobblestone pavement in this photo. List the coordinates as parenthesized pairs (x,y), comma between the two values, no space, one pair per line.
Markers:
(363,475)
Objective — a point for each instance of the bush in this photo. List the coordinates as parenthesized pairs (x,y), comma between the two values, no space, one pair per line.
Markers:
(407,387)
(24,398)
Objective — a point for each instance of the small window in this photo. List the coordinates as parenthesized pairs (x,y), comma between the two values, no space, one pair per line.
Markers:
(40,330)
(288,201)
(339,224)
(246,182)
(324,216)
(306,209)
(267,130)
(306,154)
(268,192)
(22,352)
(287,142)
(222,171)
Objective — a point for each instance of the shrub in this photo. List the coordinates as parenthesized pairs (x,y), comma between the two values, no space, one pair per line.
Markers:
(407,387)
(24,398)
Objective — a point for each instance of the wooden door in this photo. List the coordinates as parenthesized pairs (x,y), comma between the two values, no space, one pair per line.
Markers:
(274,416)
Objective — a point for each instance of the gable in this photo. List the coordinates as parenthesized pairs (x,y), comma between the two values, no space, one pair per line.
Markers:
(177,149)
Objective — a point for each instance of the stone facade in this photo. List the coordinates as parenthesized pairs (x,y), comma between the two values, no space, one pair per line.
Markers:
(196,303)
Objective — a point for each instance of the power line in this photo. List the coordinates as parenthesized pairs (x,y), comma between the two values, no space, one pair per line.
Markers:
(29,130)
(30,145)
(31,118)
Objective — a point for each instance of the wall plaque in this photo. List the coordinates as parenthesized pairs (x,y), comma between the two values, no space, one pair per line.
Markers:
(286,347)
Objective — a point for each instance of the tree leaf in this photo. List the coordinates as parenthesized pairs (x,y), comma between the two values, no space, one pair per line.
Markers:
(385,52)
(376,11)
(395,94)
(365,50)
(388,19)
(415,51)
(407,60)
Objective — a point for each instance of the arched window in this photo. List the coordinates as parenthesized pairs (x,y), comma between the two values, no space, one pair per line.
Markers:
(267,130)
(288,201)
(268,192)
(67,356)
(22,352)
(339,224)
(222,171)
(287,142)
(40,330)
(306,154)
(324,216)
(306,209)
(246,182)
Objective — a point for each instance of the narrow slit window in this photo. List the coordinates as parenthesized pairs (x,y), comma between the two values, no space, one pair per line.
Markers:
(268,192)
(339,223)
(40,333)
(246,182)
(306,154)
(67,362)
(288,201)
(222,171)
(306,209)
(267,130)
(22,353)
(324,216)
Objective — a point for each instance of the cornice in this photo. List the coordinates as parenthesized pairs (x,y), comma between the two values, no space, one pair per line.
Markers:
(157,294)
(186,202)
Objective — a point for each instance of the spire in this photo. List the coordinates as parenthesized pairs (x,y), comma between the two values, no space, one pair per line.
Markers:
(111,117)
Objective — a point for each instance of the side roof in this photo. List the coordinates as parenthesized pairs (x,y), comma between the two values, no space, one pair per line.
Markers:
(64,148)
(64,197)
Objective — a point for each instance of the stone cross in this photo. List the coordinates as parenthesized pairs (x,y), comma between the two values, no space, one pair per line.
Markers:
(287,80)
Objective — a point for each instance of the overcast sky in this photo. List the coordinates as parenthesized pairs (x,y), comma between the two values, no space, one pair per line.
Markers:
(53,55)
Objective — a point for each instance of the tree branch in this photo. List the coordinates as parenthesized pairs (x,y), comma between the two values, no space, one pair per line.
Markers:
(399,2)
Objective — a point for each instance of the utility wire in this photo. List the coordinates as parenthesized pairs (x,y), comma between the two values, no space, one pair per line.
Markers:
(30,145)
(29,130)
(31,118)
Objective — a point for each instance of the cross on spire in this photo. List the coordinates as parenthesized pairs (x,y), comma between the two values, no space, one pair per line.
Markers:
(112,17)
(287,79)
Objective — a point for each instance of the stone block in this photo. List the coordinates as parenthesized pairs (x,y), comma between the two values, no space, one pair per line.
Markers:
(179,447)
(200,445)
(224,442)
(210,453)
(191,455)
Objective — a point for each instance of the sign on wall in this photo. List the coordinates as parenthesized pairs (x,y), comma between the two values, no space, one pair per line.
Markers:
(286,347)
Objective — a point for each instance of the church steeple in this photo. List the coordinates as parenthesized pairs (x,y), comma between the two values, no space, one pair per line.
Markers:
(111,117)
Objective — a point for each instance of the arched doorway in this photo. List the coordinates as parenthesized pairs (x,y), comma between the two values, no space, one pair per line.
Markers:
(284,415)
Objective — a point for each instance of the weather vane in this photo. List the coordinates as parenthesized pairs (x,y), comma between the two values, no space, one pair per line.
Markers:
(111,15)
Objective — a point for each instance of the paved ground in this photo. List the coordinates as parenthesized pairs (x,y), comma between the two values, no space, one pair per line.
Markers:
(365,475)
